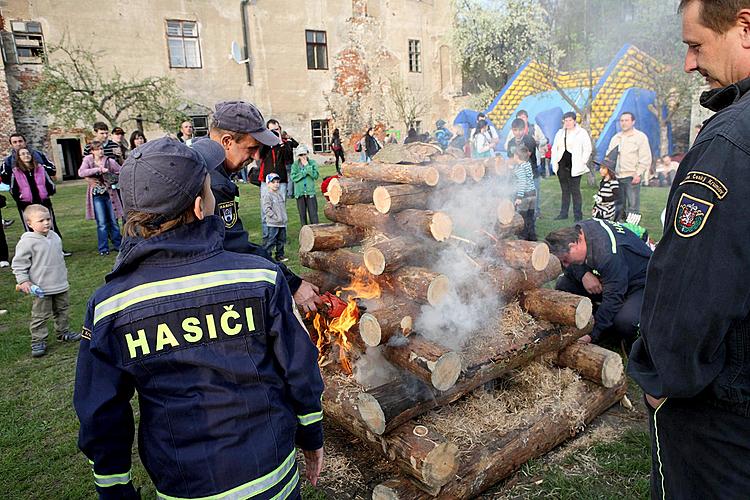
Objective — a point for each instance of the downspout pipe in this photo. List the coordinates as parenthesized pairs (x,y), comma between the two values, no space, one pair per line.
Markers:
(246,41)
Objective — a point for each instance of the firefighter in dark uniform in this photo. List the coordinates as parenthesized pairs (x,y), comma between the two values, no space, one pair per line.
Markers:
(606,262)
(227,378)
(240,129)
(693,357)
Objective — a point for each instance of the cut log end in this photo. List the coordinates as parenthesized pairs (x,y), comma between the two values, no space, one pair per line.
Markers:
(371,413)
(369,330)
(540,257)
(438,290)
(441,226)
(458,174)
(334,191)
(446,371)
(381,198)
(505,212)
(374,261)
(612,371)
(583,313)
(431,176)
(440,465)
(407,325)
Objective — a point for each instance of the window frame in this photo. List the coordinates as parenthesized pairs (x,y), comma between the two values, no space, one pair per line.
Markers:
(323,138)
(415,55)
(182,37)
(37,51)
(199,130)
(315,44)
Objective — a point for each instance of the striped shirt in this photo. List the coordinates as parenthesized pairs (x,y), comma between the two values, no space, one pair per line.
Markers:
(605,209)
(524,179)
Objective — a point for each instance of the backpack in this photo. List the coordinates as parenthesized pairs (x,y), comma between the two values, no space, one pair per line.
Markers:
(358,147)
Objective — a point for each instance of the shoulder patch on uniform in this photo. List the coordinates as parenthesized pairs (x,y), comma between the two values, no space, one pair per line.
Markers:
(692,214)
(228,212)
(86,333)
(707,181)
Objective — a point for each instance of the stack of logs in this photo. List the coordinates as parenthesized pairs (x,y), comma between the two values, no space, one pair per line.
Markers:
(385,218)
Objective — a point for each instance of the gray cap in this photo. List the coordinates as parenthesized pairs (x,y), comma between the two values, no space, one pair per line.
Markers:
(301,150)
(162,177)
(240,116)
(210,150)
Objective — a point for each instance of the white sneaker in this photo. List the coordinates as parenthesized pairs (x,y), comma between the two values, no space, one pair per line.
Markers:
(4,263)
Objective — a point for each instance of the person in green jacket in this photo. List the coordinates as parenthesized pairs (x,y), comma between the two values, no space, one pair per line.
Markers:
(304,175)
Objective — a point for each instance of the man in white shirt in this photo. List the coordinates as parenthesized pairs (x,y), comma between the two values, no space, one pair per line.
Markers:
(633,162)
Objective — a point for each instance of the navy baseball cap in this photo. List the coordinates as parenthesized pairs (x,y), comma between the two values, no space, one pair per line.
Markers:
(242,117)
(210,150)
(162,177)
(272,177)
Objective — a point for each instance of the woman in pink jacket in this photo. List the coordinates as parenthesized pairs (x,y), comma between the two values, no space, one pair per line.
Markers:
(102,201)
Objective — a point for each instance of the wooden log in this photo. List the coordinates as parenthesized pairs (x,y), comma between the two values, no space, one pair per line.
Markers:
(326,282)
(417,283)
(328,236)
(594,363)
(388,172)
(506,210)
(364,216)
(379,326)
(393,404)
(510,282)
(523,254)
(342,263)
(475,169)
(437,225)
(496,165)
(390,254)
(397,197)
(502,453)
(418,451)
(454,173)
(428,360)
(512,228)
(343,191)
(558,307)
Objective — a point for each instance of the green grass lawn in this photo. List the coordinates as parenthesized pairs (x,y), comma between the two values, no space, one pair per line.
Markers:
(38,427)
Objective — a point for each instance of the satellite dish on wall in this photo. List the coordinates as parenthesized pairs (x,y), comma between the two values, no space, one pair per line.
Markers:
(237,54)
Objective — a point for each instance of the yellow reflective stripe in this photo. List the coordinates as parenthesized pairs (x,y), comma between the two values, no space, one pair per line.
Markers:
(251,489)
(310,418)
(176,286)
(658,448)
(611,235)
(111,480)
(287,490)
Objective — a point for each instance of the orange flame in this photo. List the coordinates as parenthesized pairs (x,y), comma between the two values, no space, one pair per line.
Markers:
(363,285)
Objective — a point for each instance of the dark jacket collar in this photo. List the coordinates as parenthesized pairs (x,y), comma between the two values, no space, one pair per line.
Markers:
(185,243)
(718,99)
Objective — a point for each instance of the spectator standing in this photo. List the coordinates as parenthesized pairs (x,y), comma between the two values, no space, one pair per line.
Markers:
(571,151)
(606,197)
(186,132)
(272,162)
(492,134)
(338,149)
(273,204)
(110,148)
(458,143)
(481,142)
(541,144)
(137,139)
(633,161)
(288,145)
(442,135)
(525,191)
(118,136)
(227,378)
(18,141)
(102,201)
(39,261)
(519,136)
(3,241)
(304,174)
(372,145)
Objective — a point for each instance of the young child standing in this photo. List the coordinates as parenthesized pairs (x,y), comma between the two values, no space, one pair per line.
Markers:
(609,188)
(525,191)
(273,205)
(39,261)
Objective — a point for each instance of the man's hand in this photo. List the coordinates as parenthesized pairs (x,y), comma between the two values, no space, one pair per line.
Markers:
(653,402)
(592,284)
(636,180)
(24,287)
(586,339)
(313,465)
(307,297)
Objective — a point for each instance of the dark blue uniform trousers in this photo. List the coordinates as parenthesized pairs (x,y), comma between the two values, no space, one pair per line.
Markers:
(699,451)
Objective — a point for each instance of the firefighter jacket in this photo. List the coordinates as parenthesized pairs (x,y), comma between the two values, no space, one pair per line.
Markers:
(227,196)
(695,321)
(226,375)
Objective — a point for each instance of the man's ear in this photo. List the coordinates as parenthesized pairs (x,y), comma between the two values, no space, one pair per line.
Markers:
(198,208)
(743,21)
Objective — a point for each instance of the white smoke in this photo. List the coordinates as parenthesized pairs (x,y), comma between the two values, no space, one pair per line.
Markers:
(373,370)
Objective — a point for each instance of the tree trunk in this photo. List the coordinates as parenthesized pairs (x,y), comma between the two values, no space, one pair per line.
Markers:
(437,225)
(364,216)
(418,451)
(418,283)
(497,166)
(558,307)
(385,172)
(343,191)
(389,199)
(475,169)
(342,263)
(315,237)
(429,361)
(394,403)
(523,254)
(389,255)
(594,363)
(326,282)
(378,326)
(512,228)
(506,211)
(451,172)
(511,282)
(502,453)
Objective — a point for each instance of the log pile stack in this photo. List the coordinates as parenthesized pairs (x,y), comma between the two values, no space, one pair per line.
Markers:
(387,226)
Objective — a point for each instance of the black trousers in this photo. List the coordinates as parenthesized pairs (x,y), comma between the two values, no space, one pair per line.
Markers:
(528,232)
(625,324)
(339,154)
(308,210)
(699,450)
(3,243)
(571,189)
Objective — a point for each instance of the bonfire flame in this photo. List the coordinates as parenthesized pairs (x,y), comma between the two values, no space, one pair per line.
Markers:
(334,329)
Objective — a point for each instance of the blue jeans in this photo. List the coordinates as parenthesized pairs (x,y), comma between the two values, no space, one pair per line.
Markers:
(275,240)
(537,186)
(106,223)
